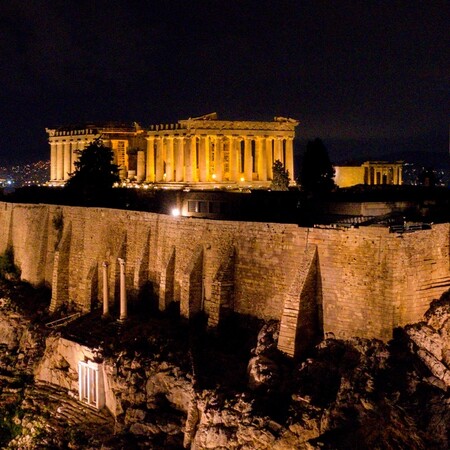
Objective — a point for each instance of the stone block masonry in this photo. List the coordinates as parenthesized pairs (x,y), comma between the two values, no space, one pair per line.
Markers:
(367,280)
(300,325)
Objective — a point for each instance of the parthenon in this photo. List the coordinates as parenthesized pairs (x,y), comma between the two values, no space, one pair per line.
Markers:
(197,150)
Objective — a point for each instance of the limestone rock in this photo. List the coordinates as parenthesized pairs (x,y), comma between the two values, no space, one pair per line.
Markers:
(134,415)
(432,341)
(144,429)
(438,314)
(178,391)
(425,337)
(266,342)
(263,373)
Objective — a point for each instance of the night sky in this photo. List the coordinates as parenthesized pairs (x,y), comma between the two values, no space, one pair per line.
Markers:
(368,77)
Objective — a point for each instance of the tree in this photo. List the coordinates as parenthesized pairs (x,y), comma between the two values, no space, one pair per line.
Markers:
(95,173)
(317,172)
(280,178)
(428,178)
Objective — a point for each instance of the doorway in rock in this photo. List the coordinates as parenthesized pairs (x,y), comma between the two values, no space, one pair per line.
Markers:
(90,384)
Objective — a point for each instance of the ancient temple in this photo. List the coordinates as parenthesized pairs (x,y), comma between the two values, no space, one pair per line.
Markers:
(196,151)
(369,173)
(208,150)
(65,143)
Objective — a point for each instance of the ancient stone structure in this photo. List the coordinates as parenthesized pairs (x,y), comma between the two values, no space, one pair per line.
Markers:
(66,142)
(316,281)
(369,173)
(202,150)
(205,149)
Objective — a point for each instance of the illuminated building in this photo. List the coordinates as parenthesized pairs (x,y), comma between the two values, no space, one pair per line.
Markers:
(199,151)
(207,150)
(66,142)
(369,173)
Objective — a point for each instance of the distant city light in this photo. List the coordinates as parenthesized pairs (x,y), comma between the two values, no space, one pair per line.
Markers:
(25,175)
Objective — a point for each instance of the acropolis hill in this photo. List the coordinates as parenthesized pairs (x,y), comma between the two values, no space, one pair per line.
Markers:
(316,281)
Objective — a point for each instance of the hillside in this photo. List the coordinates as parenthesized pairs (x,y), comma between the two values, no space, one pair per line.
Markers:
(179,386)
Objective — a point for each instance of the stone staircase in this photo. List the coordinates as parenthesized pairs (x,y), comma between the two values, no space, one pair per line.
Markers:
(65,409)
(11,388)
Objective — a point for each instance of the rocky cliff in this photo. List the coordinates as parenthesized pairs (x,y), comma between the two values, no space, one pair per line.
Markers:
(176,386)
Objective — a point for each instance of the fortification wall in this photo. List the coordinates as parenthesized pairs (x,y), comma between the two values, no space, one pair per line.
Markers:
(265,253)
(369,280)
(374,281)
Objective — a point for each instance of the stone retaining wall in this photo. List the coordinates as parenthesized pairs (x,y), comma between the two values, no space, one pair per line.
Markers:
(370,280)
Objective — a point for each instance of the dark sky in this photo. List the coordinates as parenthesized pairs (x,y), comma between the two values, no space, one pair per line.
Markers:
(365,76)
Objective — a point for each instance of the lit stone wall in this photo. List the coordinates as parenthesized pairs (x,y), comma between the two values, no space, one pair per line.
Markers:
(370,280)
(373,280)
(346,176)
(370,172)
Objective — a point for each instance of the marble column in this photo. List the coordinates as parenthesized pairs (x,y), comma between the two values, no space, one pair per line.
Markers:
(67,160)
(140,174)
(190,159)
(194,158)
(187,160)
(289,163)
(203,174)
(159,160)
(248,160)
(169,159)
(105,289)
(179,152)
(210,158)
(233,160)
(123,291)
(53,159)
(219,159)
(226,150)
(150,160)
(278,150)
(262,159)
(269,156)
(60,161)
